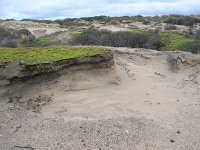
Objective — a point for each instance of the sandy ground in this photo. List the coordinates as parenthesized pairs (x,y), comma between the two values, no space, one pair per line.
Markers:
(138,104)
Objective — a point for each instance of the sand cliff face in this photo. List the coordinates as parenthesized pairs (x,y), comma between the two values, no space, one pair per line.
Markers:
(12,71)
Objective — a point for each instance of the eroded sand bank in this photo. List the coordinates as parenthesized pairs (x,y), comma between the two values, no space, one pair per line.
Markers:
(147,100)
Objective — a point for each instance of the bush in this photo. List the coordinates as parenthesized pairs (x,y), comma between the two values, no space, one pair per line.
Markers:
(9,34)
(97,18)
(154,40)
(146,22)
(170,27)
(182,20)
(24,32)
(28,42)
(192,46)
(9,43)
(93,36)
(10,38)
(39,21)
(190,32)
(197,35)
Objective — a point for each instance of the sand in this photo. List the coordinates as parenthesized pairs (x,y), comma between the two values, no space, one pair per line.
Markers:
(142,102)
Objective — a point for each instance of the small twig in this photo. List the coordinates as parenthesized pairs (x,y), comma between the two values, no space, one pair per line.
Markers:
(17,128)
(29,147)
(193,76)
(195,64)
(163,76)
(178,58)
(190,80)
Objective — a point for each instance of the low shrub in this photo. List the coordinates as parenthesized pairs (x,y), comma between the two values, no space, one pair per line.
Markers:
(11,38)
(197,35)
(24,32)
(154,41)
(192,46)
(92,36)
(97,18)
(39,21)
(170,27)
(182,20)
(146,22)
(8,43)
(27,42)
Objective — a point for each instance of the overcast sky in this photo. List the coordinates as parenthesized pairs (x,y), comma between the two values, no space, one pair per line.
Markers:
(53,9)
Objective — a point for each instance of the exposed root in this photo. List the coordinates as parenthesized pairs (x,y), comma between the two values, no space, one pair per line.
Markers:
(162,75)
(24,147)
(195,64)
(17,128)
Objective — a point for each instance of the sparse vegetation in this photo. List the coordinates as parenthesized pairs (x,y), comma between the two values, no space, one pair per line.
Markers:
(170,27)
(12,38)
(43,41)
(146,22)
(154,41)
(33,56)
(39,21)
(198,35)
(93,36)
(182,20)
(192,46)
(141,38)
(137,30)
(174,40)
(169,40)
(170,19)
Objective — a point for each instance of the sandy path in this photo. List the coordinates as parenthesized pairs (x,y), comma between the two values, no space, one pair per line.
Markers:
(139,104)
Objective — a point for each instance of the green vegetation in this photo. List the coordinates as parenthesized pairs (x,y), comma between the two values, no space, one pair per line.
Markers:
(175,40)
(92,36)
(172,40)
(33,56)
(182,20)
(192,46)
(13,38)
(138,31)
(44,40)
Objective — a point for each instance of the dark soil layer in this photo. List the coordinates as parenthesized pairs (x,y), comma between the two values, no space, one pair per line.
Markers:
(12,71)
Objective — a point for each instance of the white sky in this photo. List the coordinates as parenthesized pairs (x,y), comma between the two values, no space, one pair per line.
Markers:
(53,9)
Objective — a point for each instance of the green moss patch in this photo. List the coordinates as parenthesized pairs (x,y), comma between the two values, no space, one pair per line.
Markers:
(33,56)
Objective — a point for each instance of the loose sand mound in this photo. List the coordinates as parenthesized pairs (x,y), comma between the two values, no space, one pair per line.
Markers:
(148,100)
